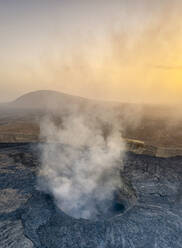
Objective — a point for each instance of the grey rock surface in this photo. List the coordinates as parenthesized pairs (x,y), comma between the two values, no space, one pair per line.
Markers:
(30,219)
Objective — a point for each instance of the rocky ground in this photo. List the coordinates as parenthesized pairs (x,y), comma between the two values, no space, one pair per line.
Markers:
(30,219)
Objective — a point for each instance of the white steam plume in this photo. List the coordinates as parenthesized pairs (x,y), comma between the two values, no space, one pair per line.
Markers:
(81,161)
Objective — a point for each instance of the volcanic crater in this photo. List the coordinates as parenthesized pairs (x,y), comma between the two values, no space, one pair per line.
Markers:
(146,211)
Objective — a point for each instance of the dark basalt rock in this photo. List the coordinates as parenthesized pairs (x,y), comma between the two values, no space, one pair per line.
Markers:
(148,208)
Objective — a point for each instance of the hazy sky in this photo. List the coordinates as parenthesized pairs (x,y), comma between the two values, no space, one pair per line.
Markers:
(126,50)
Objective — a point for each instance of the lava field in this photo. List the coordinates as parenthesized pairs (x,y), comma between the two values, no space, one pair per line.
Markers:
(147,211)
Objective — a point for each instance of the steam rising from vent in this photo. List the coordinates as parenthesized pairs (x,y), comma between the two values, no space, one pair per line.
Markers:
(81,162)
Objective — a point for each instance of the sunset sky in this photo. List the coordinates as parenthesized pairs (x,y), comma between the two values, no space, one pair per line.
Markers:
(123,50)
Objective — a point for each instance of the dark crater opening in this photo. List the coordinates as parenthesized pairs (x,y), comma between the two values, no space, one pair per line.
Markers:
(118,207)
(118,204)
(123,198)
(120,201)
(102,202)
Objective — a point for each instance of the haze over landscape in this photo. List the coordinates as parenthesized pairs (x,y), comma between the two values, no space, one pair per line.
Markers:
(128,51)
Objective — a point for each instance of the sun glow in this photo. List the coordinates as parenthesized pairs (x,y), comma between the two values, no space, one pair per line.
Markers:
(136,59)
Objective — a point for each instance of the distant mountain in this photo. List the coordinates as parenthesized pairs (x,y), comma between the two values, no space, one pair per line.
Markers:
(46,99)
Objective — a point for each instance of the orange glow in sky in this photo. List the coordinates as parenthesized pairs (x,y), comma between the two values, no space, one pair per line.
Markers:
(129,51)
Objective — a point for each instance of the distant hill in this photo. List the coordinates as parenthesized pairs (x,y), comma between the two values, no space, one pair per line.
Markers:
(46,99)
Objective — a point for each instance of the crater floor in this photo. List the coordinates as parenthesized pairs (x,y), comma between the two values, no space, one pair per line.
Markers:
(30,219)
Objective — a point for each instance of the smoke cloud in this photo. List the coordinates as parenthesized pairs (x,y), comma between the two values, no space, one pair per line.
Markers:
(81,161)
